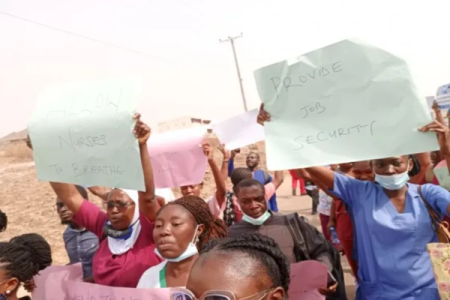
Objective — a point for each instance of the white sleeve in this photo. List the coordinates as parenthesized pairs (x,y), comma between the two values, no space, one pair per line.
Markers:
(166,193)
(150,278)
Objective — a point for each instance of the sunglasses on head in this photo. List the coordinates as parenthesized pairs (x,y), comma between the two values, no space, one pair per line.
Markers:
(185,294)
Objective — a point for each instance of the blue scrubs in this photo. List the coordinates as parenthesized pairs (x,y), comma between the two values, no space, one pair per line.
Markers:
(392,256)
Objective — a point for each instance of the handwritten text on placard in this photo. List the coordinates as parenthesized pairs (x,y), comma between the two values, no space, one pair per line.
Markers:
(345,102)
(82,133)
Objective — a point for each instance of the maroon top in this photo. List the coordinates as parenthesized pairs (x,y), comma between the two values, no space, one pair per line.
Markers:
(123,270)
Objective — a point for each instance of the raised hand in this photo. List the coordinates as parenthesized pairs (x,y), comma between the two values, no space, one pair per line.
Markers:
(141,130)
(263,116)
(443,135)
(225,152)
(208,150)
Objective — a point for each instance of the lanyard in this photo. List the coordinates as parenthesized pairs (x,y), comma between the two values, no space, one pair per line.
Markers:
(162,278)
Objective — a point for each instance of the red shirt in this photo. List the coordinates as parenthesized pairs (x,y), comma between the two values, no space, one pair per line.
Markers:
(122,270)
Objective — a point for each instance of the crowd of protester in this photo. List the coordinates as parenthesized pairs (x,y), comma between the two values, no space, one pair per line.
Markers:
(235,244)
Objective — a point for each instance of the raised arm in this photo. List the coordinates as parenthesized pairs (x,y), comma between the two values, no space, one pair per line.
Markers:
(437,112)
(226,162)
(231,162)
(443,136)
(323,175)
(148,203)
(221,188)
(278,179)
(68,193)
(307,176)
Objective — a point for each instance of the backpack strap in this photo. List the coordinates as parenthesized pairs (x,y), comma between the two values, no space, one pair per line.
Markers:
(300,249)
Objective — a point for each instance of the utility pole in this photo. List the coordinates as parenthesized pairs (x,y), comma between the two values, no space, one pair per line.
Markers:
(231,40)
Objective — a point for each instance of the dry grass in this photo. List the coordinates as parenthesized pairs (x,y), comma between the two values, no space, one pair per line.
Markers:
(16,151)
(29,203)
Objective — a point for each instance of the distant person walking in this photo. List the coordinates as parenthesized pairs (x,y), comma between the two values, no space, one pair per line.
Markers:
(252,161)
(297,182)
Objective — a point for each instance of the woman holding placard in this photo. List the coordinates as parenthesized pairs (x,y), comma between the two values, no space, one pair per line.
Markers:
(125,230)
(182,227)
(393,224)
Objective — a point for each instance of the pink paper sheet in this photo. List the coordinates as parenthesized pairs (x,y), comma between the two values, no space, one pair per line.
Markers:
(177,157)
(65,283)
(88,291)
(50,283)
(306,278)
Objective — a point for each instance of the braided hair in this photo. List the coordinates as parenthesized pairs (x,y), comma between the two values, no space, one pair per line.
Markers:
(24,256)
(3,221)
(240,174)
(214,228)
(260,248)
(39,249)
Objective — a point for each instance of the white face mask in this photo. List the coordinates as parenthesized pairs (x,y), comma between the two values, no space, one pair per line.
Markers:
(259,221)
(190,251)
(393,182)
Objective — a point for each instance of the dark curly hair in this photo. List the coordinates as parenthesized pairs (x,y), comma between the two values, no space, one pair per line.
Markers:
(24,256)
(3,221)
(262,249)
(214,228)
(416,166)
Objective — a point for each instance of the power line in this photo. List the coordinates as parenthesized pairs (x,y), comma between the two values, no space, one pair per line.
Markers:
(85,37)
(198,29)
(231,40)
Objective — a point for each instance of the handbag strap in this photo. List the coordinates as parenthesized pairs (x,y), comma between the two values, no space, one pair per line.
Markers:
(435,219)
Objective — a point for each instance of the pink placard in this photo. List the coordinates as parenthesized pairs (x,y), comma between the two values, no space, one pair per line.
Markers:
(50,283)
(177,157)
(306,278)
(87,291)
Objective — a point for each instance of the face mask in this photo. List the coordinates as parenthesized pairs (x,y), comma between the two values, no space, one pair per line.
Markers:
(259,221)
(117,234)
(393,182)
(190,251)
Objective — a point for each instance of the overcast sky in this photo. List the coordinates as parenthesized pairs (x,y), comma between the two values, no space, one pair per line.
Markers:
(174,45)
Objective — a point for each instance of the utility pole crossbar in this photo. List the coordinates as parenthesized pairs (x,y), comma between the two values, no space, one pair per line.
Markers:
(231,40)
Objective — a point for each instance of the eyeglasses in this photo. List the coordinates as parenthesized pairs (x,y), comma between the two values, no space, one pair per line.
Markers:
(185,294)
(120,205)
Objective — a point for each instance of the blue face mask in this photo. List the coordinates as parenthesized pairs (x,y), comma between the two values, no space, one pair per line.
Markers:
(393,182)
(259,221)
